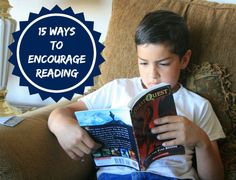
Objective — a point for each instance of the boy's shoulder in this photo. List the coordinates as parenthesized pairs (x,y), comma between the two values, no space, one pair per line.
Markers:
(185,93)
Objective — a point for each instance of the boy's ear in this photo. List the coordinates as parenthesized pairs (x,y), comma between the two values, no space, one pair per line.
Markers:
(185,59)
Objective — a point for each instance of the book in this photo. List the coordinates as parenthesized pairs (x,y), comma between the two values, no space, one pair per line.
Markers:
(125,133)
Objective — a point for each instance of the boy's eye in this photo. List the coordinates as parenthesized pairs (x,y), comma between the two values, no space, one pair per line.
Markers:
(164,64)
(143,63)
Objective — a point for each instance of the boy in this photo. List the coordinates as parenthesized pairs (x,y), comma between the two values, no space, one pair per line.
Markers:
(162,50)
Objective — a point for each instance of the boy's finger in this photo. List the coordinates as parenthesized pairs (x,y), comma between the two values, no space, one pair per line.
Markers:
(89,142)
(75,154)
(172,142)
(161,128)
(168,135)
(165,120)
(83,148)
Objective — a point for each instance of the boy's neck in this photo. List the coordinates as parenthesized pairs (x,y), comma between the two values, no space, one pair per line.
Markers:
(176,88)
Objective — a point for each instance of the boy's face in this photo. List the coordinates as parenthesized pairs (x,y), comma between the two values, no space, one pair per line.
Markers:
(157,64)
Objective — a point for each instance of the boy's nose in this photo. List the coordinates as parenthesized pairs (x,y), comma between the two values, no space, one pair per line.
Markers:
(154,72)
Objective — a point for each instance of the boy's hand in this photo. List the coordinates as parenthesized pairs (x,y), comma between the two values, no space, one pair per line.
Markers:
(76,141)
(72,138)
(180,130)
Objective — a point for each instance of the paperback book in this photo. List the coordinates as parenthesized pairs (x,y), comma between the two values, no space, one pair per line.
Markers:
(125,133)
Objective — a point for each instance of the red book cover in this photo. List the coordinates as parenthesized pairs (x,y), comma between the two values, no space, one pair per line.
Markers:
(156,103)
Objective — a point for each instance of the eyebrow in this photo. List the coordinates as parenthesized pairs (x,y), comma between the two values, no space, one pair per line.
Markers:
(159,60)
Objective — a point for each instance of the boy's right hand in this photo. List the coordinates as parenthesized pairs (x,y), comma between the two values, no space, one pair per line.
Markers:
(73,139)
(76,141)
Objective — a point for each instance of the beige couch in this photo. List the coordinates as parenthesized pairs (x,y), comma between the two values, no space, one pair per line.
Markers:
(30,151)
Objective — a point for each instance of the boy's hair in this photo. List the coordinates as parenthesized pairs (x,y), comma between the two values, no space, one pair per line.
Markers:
(163,27)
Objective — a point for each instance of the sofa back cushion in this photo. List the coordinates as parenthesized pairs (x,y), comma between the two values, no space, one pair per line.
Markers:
(211,26)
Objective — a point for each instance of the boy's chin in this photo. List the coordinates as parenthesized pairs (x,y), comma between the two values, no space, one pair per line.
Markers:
(154,84)
(151,85)
(148,85)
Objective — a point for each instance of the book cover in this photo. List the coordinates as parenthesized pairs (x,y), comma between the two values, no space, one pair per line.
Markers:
(155,104)
(125,134)
(113,129)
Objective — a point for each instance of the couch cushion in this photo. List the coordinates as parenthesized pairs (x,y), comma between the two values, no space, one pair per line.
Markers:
(212,82)
(120,53)
(30,151)
(212,36)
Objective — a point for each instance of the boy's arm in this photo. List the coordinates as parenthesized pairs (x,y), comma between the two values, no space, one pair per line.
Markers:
(182,131)
(73,139)
(209,164)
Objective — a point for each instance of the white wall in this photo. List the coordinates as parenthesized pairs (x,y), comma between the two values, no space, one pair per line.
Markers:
(98,11)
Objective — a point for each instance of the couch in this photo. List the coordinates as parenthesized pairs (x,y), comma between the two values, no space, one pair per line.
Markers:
(30,151)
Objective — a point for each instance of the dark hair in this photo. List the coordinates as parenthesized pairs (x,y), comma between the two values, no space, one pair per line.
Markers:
(163,27)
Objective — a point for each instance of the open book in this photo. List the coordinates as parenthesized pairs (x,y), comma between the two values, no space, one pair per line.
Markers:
(125,134)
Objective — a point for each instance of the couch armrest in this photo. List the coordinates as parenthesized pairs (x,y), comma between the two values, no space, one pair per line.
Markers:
(31,151)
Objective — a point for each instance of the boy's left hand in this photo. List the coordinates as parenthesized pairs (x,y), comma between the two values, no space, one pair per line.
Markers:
(179,131)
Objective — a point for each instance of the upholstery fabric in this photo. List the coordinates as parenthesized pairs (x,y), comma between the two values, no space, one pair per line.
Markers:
(30,151)
(212,36)
(120,51)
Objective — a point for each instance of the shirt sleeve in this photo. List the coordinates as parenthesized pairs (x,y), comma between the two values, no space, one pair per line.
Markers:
(101,98)
(210,123)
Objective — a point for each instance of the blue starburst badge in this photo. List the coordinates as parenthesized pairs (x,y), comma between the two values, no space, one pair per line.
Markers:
(56,53)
